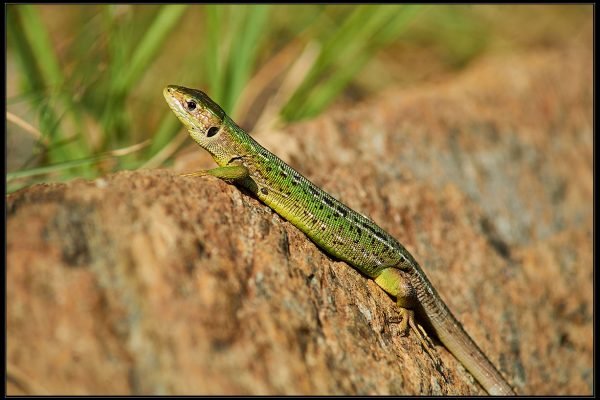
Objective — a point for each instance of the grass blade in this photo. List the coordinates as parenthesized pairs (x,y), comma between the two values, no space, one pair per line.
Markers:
(166,19)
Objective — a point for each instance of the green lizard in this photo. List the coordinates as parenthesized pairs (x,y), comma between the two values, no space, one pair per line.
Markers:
(334,227)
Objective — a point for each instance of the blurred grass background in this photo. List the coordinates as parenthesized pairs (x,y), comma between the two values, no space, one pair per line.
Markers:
(84,82)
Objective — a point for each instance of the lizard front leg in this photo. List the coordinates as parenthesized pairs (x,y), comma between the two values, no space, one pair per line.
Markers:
(229,173)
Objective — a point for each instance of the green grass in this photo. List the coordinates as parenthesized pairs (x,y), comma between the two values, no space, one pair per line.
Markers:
(363,32)
(234,35)
(91,83)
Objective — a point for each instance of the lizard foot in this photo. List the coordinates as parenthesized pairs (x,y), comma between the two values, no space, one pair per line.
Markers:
(408,323)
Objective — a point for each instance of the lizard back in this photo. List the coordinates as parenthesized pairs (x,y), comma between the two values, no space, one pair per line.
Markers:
(343,232)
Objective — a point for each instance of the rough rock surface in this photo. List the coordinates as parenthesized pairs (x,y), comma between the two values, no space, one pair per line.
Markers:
(150,283)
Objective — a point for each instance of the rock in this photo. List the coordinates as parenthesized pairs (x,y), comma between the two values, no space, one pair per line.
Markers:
(150,283)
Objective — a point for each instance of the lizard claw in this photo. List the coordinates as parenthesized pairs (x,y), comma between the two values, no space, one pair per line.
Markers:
(408,323)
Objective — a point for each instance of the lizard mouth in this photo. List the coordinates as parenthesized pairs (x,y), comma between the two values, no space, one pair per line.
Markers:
(175,101)
(172,101)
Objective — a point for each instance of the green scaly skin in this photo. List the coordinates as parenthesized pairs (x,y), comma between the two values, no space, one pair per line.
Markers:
(334,227)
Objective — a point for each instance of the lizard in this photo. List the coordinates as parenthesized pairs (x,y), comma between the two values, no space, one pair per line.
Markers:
(334,227)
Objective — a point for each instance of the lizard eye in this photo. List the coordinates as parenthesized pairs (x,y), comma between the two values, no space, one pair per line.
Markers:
(191,105)
(212,131)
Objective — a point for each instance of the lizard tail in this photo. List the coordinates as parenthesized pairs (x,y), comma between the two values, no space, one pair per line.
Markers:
(453,336)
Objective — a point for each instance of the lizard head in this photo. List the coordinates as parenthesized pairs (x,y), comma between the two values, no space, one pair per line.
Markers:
(202,117)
